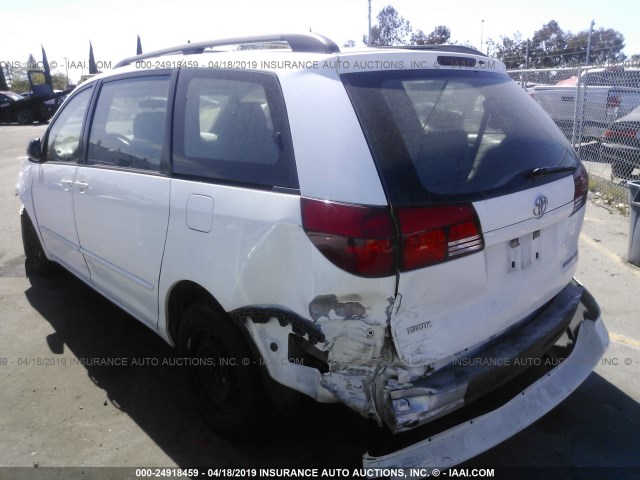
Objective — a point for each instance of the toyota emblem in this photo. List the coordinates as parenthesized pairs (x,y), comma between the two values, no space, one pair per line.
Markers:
(540,206)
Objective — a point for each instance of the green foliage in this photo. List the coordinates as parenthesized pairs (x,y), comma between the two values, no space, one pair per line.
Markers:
(439,36)
(391,29)
(552,47)
(59,81)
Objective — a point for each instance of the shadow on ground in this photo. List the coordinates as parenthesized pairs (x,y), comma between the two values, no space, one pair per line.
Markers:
(598,425)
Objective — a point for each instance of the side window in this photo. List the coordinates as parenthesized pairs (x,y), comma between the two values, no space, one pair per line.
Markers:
(232,127)
(63,140)
(128,126)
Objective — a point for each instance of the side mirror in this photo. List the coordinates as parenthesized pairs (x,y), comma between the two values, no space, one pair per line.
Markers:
(34,151)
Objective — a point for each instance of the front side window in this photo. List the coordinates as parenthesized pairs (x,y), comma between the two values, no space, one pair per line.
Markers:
(128,128)
(452,135)
(63,140)
(232,127)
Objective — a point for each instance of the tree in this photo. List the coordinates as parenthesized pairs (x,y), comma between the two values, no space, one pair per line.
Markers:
(439,36)
(548,46)
(60,81)
(349,44)
(511,51)
(418,38)
(391,29)
(3,80)
(31,62)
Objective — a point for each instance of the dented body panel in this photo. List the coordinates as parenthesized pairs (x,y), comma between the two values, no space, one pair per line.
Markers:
(479,433)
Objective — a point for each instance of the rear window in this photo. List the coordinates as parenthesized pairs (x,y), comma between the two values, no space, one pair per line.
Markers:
(448,135)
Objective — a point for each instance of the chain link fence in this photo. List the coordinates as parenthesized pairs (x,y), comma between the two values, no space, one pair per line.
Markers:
(598,109)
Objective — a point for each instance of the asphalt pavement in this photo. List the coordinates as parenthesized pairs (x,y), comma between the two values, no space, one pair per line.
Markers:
(57,410)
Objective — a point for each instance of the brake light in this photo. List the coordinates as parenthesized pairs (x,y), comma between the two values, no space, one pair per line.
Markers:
(364,240)
(581,188)
(613,101)
(359,239)
(621,133)
(431,235)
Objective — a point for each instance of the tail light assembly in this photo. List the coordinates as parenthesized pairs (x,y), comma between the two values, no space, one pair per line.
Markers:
(378,242)
(581,188)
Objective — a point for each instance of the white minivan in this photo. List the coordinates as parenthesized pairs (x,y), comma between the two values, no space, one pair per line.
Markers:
(395,229)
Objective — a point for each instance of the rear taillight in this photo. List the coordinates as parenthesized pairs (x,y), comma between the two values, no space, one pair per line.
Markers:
(581,188)
(613,101)
(359,239)
(364,240)
(621,133)
(431,235)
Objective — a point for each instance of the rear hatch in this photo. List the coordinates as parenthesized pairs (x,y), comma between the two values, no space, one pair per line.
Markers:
(487,196)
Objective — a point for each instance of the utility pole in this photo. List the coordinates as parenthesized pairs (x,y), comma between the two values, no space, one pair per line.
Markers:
(481,33)
(526,55)
(369,37)
(589,43)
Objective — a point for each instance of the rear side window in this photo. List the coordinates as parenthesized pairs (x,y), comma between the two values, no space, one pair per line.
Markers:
(232,127)
(128,128)
(452,135)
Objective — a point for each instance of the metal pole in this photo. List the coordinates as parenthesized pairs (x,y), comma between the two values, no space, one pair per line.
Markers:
(369,36)
(481,33)
(589,43)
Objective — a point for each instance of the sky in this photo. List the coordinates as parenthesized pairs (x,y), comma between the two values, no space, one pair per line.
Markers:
(65,27)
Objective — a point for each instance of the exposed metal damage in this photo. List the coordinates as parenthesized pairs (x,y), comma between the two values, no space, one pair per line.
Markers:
(345,353)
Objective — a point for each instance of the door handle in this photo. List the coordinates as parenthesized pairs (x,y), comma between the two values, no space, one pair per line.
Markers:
(66,184)
(81,186)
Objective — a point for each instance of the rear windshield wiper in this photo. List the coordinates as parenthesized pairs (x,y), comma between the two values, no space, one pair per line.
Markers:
(542,171)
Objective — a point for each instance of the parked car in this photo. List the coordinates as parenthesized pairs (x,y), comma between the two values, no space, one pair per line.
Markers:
(37,105)
(355,227)
(621,145)
(15,108)
(604,95)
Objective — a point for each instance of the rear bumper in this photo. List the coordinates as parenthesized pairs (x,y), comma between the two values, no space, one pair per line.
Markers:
(476,435)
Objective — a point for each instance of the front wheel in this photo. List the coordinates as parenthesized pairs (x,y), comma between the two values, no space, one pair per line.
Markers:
(224,374)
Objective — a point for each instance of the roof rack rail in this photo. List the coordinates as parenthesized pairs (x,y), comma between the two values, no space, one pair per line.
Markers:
(298,42)
(439,48)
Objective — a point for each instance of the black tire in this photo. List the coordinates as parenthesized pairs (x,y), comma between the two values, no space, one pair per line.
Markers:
(24,117)
(621,169)
(36,260)
(228,393)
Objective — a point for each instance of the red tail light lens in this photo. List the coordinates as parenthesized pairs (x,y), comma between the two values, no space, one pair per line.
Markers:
(431,235)
(613,101)
(621,133)
(581,188)
(359,239)
(364,241)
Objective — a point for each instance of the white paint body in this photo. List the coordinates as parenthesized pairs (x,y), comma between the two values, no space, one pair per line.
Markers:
(134,236)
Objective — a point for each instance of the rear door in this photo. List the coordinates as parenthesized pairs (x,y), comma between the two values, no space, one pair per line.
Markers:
(482,185)
(121,195)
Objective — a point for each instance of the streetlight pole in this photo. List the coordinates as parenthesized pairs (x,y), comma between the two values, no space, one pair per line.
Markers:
(369,36)
(589,42)
(481,33)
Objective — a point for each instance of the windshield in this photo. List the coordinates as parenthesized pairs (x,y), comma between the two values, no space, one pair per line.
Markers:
(443,135)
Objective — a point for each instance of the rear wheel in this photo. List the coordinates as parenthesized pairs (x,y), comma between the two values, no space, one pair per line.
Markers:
(224,374)
(24,117)
(37,262)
